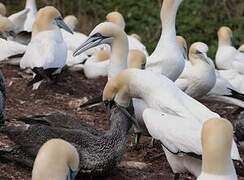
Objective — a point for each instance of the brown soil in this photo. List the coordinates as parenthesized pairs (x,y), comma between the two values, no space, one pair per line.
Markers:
(22,101)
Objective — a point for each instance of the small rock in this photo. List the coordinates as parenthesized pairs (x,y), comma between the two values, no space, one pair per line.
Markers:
(134,165)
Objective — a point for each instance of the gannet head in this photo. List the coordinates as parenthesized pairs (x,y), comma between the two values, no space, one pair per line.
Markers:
(49,18)
(3,10)
(136,59)
(117,89)
(116,18)
(198,51)
(71,21)
(241,48)
(7,28)
(183,45)
(225,35)
(103,55)
(57,159)
(104,33)
(217,138)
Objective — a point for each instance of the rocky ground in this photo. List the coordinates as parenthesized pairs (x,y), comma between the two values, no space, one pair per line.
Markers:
(142,163)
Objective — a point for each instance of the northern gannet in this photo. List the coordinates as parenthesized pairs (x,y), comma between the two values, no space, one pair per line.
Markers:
(172,116)
(200,76)
(47,52)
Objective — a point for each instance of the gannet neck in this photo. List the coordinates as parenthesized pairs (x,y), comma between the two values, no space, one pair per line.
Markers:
(217,137)
(168,17)
(31,4)
(225,36)
(119,54)
(168,33)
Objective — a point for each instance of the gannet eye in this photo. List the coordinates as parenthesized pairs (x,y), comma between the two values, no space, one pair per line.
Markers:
(198,52)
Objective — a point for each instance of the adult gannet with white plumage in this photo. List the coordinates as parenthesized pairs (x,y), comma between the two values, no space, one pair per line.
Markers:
(56,160)
(47,52)
(134,43)
(173,117)
(167,58)
(223,90)
(8,48)
(200,78)
(227,56)
(217,138)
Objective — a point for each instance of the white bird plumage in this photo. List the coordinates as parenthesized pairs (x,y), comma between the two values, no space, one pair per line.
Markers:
(162,95)
(47,50)
(167,58)
(199,77)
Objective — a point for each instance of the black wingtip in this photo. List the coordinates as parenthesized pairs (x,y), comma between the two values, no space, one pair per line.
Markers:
(236,94)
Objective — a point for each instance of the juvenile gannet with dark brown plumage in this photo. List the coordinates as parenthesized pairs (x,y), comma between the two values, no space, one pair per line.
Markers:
(172,116)
(47,52)
(56,160)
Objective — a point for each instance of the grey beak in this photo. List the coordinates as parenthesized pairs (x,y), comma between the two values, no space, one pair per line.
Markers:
(91,42)
(61,24)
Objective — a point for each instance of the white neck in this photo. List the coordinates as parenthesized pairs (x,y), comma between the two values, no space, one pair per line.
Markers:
(168,17)
(223,168)
(119,54)
(31,4)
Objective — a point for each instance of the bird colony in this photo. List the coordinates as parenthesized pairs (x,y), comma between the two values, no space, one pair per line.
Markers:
(160,95)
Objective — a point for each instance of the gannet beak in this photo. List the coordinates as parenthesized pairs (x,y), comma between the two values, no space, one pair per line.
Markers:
(61,24)
(109,104)
(72,174)
(12,33)
(205,58)
(91,42)
(185,53)
(5,35)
